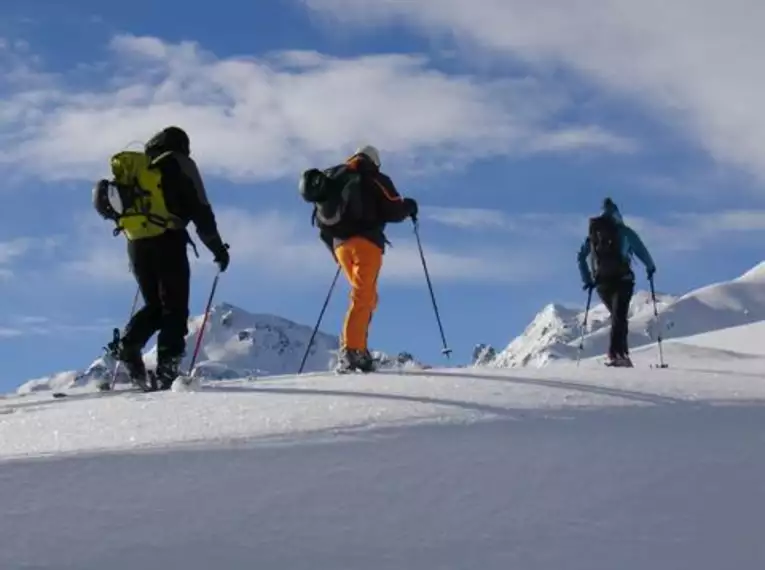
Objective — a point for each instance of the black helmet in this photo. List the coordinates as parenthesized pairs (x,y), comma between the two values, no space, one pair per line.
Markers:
(169,139)
(102,202)
(609,205)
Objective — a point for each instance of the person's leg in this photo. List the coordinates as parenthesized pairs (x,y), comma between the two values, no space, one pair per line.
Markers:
(174,288)
(146,321)
(607,294)
(622,301)
(361,261)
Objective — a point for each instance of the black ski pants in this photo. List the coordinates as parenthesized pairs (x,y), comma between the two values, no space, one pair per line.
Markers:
(161,268)
(616,296)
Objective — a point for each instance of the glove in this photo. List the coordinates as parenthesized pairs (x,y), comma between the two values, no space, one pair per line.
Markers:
(219,250)
(650,271)
(411,205)
(222,257)
(589,286)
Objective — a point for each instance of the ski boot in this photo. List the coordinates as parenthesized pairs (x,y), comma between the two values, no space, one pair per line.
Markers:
(132,358)
(626,361)
(619,361)
(166,372)
(355,360)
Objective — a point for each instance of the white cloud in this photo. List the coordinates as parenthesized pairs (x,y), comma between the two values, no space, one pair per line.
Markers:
(31,320)
(669,233)
(7,332)
(50,329)
(270,246)
(10,250)
(101,263)
(697,62)
(529,224)
(268,117)
(688,232)
(92,253)
(487,265)
(467,218)
(273,246)
(13,252)
(271,241)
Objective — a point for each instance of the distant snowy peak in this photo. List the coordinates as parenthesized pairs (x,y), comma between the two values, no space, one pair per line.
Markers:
(543,339)
(235,344)
(552,320)
(555,332)
(756,273)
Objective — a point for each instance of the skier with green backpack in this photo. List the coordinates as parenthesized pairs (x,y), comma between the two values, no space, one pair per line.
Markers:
(152,197)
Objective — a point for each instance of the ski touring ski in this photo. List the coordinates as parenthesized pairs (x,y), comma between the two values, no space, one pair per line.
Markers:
(98,393)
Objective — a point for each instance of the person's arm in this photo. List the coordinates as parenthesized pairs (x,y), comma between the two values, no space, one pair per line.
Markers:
(640,251)
(584,268)
(393,207)
(200,211)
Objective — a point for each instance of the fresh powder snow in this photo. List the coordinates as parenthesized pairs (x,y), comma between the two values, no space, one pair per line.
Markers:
(559,466)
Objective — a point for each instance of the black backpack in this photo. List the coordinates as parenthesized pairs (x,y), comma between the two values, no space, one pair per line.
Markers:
(336,196)
(606,245)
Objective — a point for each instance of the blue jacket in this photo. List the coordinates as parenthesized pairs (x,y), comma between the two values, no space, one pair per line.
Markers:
(631,245)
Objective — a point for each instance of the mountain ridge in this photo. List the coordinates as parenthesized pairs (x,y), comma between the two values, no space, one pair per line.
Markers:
(554,333)
(236,344)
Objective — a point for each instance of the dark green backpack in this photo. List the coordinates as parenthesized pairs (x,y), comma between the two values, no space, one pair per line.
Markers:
(335,194)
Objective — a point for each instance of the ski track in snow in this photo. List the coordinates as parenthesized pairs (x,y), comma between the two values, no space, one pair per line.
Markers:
(293,407)
(582,468)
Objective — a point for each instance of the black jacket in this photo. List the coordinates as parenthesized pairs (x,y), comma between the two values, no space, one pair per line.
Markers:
(186,198)
(382,204)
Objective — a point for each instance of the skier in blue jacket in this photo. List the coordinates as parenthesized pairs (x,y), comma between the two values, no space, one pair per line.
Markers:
(609,248)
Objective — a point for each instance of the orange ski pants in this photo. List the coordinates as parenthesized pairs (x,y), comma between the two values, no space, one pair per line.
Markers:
(361,261)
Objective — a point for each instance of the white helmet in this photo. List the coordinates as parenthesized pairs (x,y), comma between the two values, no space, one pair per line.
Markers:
(371,153)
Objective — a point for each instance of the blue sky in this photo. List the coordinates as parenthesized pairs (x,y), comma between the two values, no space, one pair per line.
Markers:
(508,122)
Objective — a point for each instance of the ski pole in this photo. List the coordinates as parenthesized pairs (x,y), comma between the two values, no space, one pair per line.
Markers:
(318,322)
(584,326)
(658,324)
(446,350)
(132,312)
(204,323)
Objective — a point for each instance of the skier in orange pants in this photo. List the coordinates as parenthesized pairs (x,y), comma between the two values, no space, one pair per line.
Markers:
(354,201)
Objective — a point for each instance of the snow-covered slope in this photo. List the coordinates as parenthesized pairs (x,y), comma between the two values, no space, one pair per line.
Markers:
(583,468)
(744,339)
(555,332)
